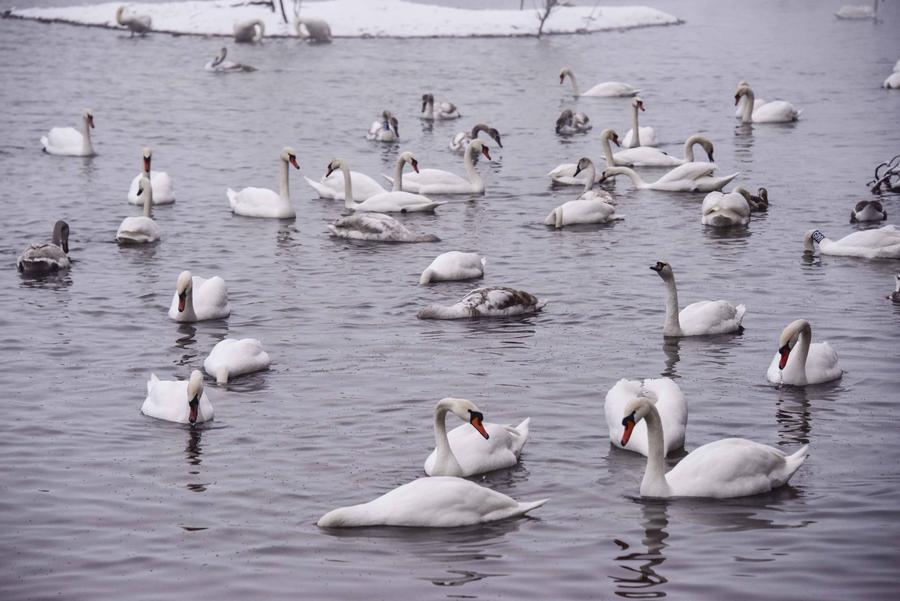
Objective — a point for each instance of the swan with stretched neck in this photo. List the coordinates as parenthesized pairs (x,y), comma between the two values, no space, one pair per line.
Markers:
(724,469)
(136,24)
(645,156)
(607,88)
(684,178)
(219,65)
(395,201)
(43,258)
(263,202)
(443,111)
(799,361)
(703,318)
(249,32)
(140,230)
(199,299)
(163,189)
(386,130)
(777,111)
(725,210)
(638,136)
(461,140)
(68,141)
(591,207)
(880,243)
(437,181)
(179,401)
(495,301)
(452,266)
(317,31)
(569,123)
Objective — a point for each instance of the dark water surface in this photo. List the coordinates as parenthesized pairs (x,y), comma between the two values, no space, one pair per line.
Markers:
(100,502)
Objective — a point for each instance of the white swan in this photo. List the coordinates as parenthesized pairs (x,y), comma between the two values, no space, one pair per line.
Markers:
(445,110)
(724,469)
(495,301)
(564,173)
(249,32)
(435,502)
(318,31)
(67,141)
(468,451)
(386,130)
(219,65)
(199,299)
(895,295)
(644,156)
(395,201)
(590,207)
(858,11)
(690,177)
(669,401)
(880,243)
(163,189)
(180,401)
(812,363)
(454,265)
(142,229)
(777,111)
(333,186)
(43,258)
(139,24)
(739,109)
(437,181)
(263,202)
(697,319)
(231,358)
(569,123)
(375,227)
(607,88)
(868,210)
(638,136)
(725,210)
(461,140)
(758,202)
(892,82)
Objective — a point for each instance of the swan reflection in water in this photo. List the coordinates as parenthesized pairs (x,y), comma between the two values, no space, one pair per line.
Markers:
(671,348)
(192,451)
(642,580)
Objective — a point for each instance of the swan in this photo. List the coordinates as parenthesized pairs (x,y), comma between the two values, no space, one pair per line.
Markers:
(895,295)
(591,207)
(684,178)
(435,502)
(724,469)
(199,299)
(135,23)
(43,258)
(892,82)
(318,31)
(445,110)
(811,364)
(437,181)
(759,202)
(386,130)
(638,136)
(231,358)
(569,123)
(484,447)
(163,190)
(645,156)
(868,210)
(461,140)
(454,265)
(725,210)
(697,319)
(669,401)
(67,141)
(858,11)
(607,88)
(880,243)
(140,230)
(332,186)
(263,202)
(375,227)
(777,111)
(495,301)
(249,32)
(395,201)
(219,65)
(180,401)
(739,109)
(564,173)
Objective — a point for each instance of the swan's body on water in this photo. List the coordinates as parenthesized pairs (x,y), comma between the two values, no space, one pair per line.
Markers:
(231,358)
(249,32)
(136,24)
(590,207)
(645,156)
(263,202)
(437,181)
(395,201)
(452,266)
(702,318)
(219,65)
(777,111)
(461,140)
(858,11)
(495,301)
(314,30)
(142,229)
(569,123)
(799,361)
(332,186)
(375,227)
(440,110)
(565,173)
(607,88)
(163,189)
(386,130)
(739,109)
(880,243)
(669,401)
(180,401)
(43,258)
(199,299)
(690,177)
(868,210)
(724,210)
(638,136)
(68,141)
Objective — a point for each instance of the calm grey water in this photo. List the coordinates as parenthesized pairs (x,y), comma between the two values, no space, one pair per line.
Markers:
(100,502)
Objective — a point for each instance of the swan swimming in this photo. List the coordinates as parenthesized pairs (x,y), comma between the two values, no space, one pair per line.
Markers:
(669,401)
(564,173)
(645,156)
(590,207)
(452,266)
(812,363)
(638,136)
(142,229)
(199,299)
(231,358)
(868,210)
(163,189)
(139,24)
(569,123)
(739,109)
(461,140)
(375,227)
(386,130)
(777,111)
(445,110)
(495,301)
(703,318)
(180,401)
(44,258)
(684,178)
(880,243)
(263,202)
(607,88)
(438,181)
(219,65)
(67,141)
(395,201)
(725,210)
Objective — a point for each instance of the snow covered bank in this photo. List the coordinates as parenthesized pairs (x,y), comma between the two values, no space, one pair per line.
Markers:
(358,18)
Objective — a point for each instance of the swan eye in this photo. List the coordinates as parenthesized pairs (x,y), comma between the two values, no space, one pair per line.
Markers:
(629,419)
(476,416)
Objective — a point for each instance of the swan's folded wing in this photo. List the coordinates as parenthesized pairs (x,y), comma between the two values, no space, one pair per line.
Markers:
(711,317)
(65,137)
(688,171)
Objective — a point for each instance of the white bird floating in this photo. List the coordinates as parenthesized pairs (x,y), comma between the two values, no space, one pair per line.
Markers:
(219,65)
(669,401)
(395,201)
(142,229)
(607,88)
(163,189)
(136,24)
(375,227)
(690,177)
(702,318)
(454,265)
(638,136)
(590,207)
(725,210)
(495,301)
(263,202)
(386,130)
(868,210)
(199,299)
(231,358)
(313,30)
(43,258)
(67,141)
(461,140)
(249,32)
(569,123)
(440,111)
(180,401)
(438,181)
(777,111)
(811,363)
(880,243)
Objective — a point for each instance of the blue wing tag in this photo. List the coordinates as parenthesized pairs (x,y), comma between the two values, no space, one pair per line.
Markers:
(818,236)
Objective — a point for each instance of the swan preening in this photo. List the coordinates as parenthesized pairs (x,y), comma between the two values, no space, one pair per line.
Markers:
(868,210)
(395,201)
(495,301)
(569,123)
(697,319)
(638,136)
(231,358)
(758,202)
(249,32)
(725,210)
(386,130)
(180,401)
(669,401)
(142,229)
(460,141)
(316,31)
(858,11)
(43,258)
(438,181)
(726,468)
(444,110)
(607,88)
(139,24)
(777,111)
(219,65)
(684,178)
(375,227)
(163,189)
(799,361)
(199,299)
(880,243)
(454,265)
(590,207)
(67,141)
(263,202)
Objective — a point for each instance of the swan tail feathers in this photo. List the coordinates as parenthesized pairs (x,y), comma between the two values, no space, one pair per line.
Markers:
(523,428)
(483,262)
(793,462)
(232,198)
(426,277)
(324,191)
(526,507)
(551,218)
(739,312)
(45,143)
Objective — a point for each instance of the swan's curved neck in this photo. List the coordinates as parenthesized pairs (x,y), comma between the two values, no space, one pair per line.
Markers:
(189,303)
(87,146)
(747,115)
(473,174)
(802,350)
(591,172)
(673,325)
(689,149)
(635,129)
(654,483)
(444,461)
(635,178)
(478,128)
(429,109)
(398,176)
(283,190)
(607,151)
(348,187)
(574,83)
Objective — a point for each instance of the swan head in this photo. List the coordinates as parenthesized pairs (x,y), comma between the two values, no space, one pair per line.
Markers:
(763,194)
(707,147)
(610,134)
(479,146)
(333,166)
(426,100)
(663,269)
(743,90)
(637,102)
(465,410)
(88,115)
(61,235)
(563,72)
(788,339)
(289,155)
(636,410)
(194,392)
(408,157)
(148,156)
(182,287)
(492,132)
(583,163)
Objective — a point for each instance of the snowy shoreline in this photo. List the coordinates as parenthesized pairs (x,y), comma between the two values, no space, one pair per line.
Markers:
(357,18)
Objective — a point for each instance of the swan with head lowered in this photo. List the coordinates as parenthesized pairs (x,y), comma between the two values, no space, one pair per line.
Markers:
(669,401)
(386,130)
(452,266)
(249,32)
(263,202)
(68,141)
(690,177)
(591,207)
(219,65)
(638,136)
(437,181)
(569,123)
(777,111)
(179,401)
(136,24)
(607,88)
(868,210)
(645,156)
(395,201)
(231,358)
(758,202)
(461,140)
(199,299)
(799,361)
(44,258)
(880,243)
(495,301)
(443,110)
(739,109)
(375,227)
(163,189)
(142,229)
(724,469)
(725,210)
(703,318)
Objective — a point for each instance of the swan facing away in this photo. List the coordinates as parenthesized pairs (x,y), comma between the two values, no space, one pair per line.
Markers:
(375,227)
(219,65)
(443,110)
(881,243)
(858,11)
(702,318)
(724,469)
(590,207)
(669,401)
(777,111)
(314,30)
(395,201)
(231,358)
(495,301)
(452,266)
(467,451)
(569,123)
(386,130)
(799,361)
(139,24)
(638,136)
(199,299)
(868,210)
(163,189)
(607,88)
(263,202)
(68,141)
(461,140)
(758,202)
(44,258)
(438,181)
(180,401)
(142,229)
(690,177)
(249,32)
(725,210)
